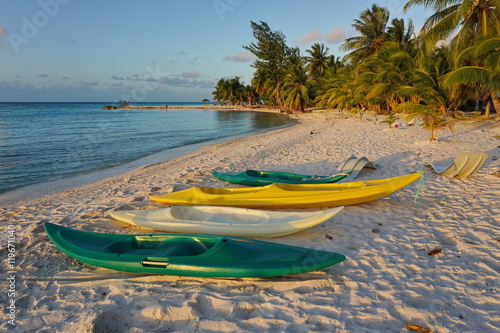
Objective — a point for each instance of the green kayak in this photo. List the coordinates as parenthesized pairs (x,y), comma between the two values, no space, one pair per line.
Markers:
(261,178)
(188,255)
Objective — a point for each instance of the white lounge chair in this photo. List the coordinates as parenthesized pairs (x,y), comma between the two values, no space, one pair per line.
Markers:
(354,165)
(464,165)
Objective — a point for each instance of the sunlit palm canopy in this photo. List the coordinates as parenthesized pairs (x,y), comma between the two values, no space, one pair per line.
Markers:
(465,20)
(372,26)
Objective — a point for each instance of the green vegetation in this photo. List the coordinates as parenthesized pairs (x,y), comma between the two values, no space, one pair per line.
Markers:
(234,92)
(388,68)
(389,120)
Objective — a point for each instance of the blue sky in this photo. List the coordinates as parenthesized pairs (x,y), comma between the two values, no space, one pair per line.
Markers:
(155,50)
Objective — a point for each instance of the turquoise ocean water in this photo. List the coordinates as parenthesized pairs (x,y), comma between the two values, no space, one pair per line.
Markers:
(41,142)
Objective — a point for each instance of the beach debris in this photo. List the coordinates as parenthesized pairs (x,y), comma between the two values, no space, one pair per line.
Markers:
(375,231)
(418,328)
(434,252)
(328,236)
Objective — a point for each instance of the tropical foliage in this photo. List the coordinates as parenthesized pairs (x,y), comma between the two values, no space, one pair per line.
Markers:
(388,68)
(232,91)
(372,29)
(481,72)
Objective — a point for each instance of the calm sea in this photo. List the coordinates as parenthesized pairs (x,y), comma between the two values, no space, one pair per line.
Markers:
(42,142)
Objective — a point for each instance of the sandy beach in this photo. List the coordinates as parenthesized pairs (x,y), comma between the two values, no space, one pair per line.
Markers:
(388,280)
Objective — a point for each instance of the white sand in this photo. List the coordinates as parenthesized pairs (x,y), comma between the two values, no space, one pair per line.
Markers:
(388,279)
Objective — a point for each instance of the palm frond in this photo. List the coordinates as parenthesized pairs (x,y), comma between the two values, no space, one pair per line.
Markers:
(467,75)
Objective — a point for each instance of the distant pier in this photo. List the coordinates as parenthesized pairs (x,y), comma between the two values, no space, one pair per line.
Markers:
(183,107)
(137,107)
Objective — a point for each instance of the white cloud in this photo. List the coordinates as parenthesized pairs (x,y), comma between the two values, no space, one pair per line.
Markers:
(337,35)
(241,57)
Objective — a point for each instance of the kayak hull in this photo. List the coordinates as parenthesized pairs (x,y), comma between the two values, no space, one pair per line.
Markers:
(229,221)
(262,178)
(188,255)
(289,196)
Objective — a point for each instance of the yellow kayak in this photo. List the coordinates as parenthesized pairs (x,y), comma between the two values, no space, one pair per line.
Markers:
(286,196)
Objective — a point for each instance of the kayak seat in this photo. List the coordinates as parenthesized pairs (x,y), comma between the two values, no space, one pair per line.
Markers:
(187,247)
(255,173)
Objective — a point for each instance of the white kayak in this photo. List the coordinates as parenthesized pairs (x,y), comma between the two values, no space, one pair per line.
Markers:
(229,221)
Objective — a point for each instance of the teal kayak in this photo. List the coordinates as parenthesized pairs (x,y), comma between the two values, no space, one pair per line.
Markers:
(262,178)
(188,254)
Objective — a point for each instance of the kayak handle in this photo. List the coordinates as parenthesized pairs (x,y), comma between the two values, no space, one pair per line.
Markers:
(150,263)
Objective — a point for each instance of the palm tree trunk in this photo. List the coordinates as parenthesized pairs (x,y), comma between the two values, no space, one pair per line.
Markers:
(496,103)
(488,108)
(433,136)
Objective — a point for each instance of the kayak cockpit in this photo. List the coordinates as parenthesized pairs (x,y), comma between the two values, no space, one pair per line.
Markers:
(273,175)
(218,215)
(163,246)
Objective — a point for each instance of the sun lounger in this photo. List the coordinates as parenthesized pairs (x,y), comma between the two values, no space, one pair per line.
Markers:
(354,165)
(464,165)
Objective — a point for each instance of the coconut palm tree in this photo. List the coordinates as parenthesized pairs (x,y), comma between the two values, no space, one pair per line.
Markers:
(236,91)
(221,91)
(251,94)
(371,26)
(259,81)
(295,90)
(317,61)
(403,35)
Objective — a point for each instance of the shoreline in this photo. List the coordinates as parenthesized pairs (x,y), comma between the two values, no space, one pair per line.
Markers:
(387,280)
